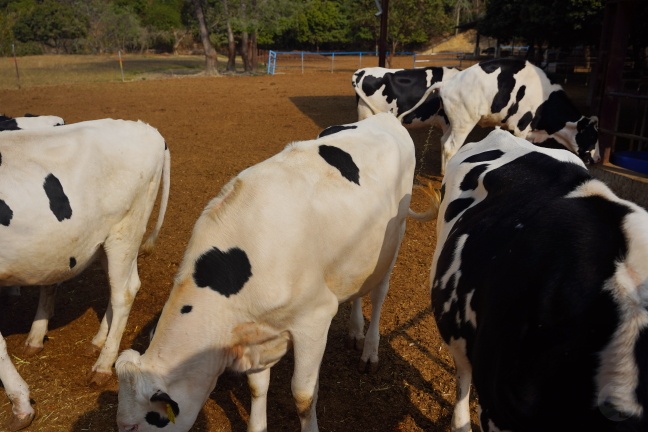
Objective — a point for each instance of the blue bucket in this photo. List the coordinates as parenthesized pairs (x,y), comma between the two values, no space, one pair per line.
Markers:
(633,160)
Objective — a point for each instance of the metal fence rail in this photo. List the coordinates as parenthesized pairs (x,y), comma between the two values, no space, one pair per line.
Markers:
(303,61)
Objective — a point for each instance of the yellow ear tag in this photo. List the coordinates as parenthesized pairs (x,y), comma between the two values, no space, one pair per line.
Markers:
(170,414)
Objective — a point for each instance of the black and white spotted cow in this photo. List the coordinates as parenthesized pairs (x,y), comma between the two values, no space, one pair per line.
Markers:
(29,121)
(517,96)
(70,195)
(539,286)
(269,261)
(398,90)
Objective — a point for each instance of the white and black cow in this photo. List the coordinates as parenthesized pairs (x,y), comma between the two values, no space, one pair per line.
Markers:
(398,90)
(269,261)
(29,121)
(517,96)
(539,286)
(70,195)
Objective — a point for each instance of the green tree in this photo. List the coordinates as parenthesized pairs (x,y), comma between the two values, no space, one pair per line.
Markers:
(413,22)
(320,23)
(557,23)
(52,23)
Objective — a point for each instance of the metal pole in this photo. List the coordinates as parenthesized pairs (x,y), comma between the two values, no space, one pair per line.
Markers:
(13,50)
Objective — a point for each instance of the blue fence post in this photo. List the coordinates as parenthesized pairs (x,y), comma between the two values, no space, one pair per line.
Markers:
(302,62)
(332,61)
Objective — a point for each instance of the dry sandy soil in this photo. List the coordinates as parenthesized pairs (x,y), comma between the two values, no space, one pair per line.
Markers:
(216,127)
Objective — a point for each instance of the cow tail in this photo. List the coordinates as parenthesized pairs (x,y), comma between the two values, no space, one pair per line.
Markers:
(148,245)
(434,87)
(435,201)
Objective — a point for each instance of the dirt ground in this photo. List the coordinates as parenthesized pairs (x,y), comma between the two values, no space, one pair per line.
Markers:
(216,127)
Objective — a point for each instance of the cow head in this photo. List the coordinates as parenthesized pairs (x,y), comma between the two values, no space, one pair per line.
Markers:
(587,139)
(145,402)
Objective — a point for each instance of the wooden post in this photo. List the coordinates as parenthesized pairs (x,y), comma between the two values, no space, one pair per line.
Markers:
(121,66)
(13,50)
(382,43)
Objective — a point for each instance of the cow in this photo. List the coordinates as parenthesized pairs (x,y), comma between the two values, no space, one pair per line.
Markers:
(515,95)
(269,260)
(70,195)
(380,89)
(539,287)
(29,121)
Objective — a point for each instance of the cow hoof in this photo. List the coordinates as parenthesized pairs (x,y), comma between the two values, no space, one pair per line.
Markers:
(98,379)
(17,423)
(368,366)
(357,344)
(92,350)
(29,350)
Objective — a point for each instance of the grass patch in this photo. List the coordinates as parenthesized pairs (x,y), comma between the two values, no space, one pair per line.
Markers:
(48,70)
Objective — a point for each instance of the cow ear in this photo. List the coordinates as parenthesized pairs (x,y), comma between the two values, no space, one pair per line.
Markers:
(171,407)
(594,119)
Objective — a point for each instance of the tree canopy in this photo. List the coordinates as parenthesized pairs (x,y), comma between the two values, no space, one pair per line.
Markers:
(96,26)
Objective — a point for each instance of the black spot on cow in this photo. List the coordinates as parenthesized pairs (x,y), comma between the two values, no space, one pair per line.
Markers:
(442,191)
(641,358)
(358,77)
(10,124)
(73,262)
(335,129)
(485,156)
(505,79)
(471,180)
(514,108)
(552,114)
(186,309)
(525,120)
(342,161)
(58,201)
(5,213)
(154,418)
(224,272)
(550,143)
(456,207)
(163,397)
(586,135)
(0,159)
(165,146)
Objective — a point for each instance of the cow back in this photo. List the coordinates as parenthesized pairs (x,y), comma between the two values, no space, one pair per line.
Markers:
(530,278)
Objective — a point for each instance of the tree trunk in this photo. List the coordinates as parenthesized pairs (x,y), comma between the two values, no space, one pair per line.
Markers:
(244,51)
(254,51)
(178,36)
(231,43)
(231,48)
(211,60)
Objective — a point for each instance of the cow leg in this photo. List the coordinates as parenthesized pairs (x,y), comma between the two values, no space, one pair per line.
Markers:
(369,357)
(100,338)
(309,343)
(45,311)
(259,383)
(355,338)
(124,284)
(461,414)
(17,392)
